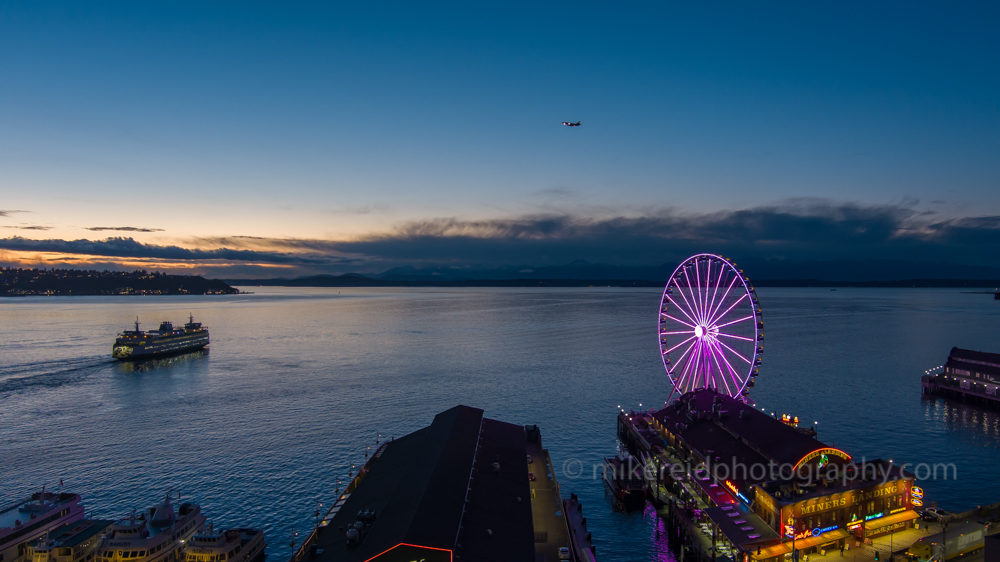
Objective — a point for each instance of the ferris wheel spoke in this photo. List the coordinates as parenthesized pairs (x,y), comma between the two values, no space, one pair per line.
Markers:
(734,322)
(676,333)
(697,278)
(686,351)
(701,318)
(718,367)
(732,306)
(680,344)
(681,308)
(696,360)
(694,312)
(723,299)
(736,337)
(685,371)
(736,353)
(737,378)
(715,293)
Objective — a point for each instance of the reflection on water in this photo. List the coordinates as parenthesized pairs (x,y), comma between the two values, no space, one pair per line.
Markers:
(968,421)
(160,363)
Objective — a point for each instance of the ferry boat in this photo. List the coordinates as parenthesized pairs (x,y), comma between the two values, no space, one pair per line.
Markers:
(135,345)
(72,542)
(623,477)
(26,521)
(156,536)
(234,545)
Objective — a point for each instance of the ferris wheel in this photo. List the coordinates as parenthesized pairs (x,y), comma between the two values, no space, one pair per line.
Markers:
(711,329)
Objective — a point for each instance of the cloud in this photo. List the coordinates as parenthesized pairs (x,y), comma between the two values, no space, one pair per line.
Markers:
(129,248)
(32,227)
(123,229)
(795,230)
(7,213)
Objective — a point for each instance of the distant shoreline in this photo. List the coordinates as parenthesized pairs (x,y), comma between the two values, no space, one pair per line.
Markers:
(361,281)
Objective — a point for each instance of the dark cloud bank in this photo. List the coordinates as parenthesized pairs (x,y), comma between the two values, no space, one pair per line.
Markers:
(124,229)
(796,240)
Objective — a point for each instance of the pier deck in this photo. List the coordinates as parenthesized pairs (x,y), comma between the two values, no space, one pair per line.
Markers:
(551,531)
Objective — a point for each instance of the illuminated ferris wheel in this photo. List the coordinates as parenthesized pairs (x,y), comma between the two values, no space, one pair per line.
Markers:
(711,329)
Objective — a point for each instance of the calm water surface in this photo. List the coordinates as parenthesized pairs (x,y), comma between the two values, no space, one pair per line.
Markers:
(299,381)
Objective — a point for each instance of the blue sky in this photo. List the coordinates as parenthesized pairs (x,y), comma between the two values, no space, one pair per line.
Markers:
(287,127)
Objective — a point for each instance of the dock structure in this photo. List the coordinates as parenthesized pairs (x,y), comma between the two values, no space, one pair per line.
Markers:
(455,491)
(739,484)
(973,376)
(583,549)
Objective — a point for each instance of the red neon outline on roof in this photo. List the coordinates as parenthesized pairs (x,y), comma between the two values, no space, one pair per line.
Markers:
(849,457)
(451,555)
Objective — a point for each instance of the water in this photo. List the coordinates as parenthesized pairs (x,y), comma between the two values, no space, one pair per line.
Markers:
(299,381)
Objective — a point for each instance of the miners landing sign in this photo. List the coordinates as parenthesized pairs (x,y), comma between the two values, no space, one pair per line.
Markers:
(849,498)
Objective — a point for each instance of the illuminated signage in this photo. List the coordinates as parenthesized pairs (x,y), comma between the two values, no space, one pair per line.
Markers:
(874,516)
(729,484)
(818,453)
(897,510)
(916,491)
(854,525)
(917,502)
(820,530)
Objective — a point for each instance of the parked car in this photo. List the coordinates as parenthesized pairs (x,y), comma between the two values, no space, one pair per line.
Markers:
(529,459)
(564,553)
(531,476)
(934,514)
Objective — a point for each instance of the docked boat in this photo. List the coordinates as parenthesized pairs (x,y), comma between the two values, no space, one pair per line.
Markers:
(158,535)
(136,345)
(234,545)
(624,478)
(26,521)
(73,542)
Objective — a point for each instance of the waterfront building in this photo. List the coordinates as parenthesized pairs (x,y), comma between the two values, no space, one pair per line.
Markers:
(718,460)
(970,375)
(464,488)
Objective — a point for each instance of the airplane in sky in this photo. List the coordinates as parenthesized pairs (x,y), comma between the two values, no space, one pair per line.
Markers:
(568,124)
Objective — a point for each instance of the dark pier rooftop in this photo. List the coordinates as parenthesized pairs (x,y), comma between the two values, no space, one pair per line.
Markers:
(457,488)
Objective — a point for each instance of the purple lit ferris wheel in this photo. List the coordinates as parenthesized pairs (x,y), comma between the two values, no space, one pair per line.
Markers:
(711,329)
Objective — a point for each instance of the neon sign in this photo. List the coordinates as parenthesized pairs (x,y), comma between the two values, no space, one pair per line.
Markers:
(820,530)
(731,486)
(874,516)
(828,451)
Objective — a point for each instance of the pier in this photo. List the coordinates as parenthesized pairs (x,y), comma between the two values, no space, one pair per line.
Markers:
(464,488)
(694,450)
(972,376)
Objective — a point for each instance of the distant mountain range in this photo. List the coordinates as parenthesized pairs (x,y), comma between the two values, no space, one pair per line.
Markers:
(763,273)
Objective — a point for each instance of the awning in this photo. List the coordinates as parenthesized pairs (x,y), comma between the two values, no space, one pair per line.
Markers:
(786,547)
(876,524)
(718,494)
(741,527)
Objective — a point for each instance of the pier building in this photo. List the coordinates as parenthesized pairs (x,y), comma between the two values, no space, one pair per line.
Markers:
(755,486)
(969,375)
(465,488)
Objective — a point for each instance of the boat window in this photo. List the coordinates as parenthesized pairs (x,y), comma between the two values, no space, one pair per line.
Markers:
(142,553)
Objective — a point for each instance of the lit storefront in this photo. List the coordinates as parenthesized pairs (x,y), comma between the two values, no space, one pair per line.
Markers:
(831,515)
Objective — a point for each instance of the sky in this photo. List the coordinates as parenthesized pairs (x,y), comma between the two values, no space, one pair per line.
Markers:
(266,139)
